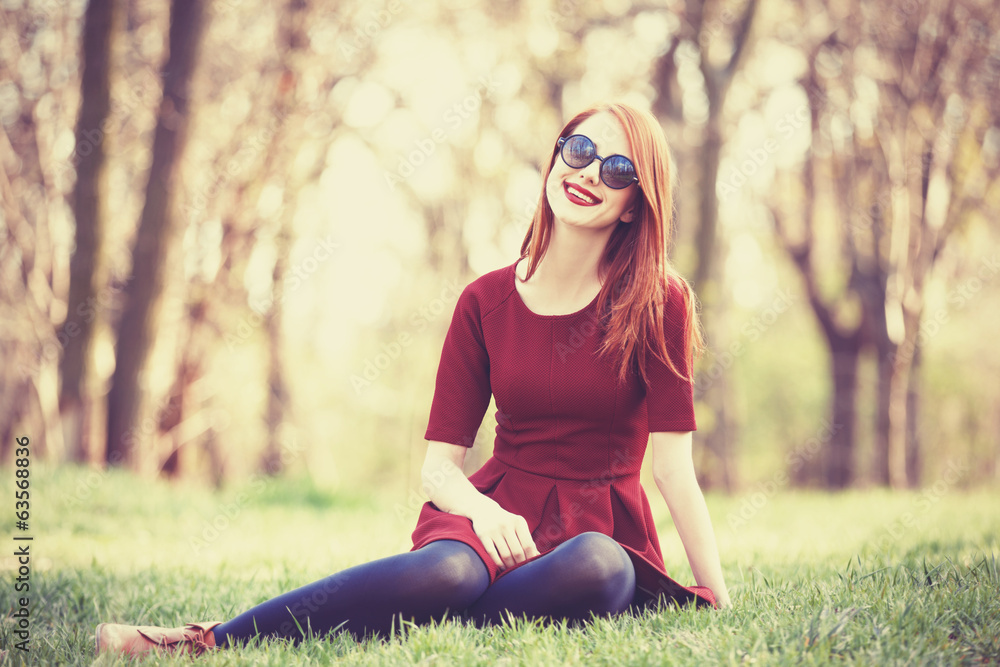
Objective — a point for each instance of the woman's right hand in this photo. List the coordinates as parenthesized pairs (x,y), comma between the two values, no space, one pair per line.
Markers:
(505,535)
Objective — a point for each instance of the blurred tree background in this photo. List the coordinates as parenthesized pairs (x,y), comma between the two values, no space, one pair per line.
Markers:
(233,232)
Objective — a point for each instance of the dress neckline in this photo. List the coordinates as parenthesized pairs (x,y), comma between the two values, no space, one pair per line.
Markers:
(517,297)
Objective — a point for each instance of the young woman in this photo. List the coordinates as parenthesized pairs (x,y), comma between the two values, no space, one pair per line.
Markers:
(586,342)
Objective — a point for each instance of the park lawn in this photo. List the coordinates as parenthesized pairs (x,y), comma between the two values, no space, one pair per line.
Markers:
(868,577)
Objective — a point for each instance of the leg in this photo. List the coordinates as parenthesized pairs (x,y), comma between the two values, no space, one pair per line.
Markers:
(588,573)
(367,599)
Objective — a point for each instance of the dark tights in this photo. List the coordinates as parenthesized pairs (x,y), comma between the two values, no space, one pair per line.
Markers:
(589,573)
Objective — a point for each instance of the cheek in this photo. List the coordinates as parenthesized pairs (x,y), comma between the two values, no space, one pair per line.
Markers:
(619,201)
(557,173)
(553,186)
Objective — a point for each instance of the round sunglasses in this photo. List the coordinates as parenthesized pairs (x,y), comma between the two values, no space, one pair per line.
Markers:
(578,151)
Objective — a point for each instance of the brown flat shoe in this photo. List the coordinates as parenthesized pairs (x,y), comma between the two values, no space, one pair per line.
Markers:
(194,638)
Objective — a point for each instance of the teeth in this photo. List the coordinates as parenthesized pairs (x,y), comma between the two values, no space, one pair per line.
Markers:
(581,194)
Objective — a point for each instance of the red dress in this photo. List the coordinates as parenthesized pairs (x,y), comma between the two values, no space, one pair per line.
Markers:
(569,438)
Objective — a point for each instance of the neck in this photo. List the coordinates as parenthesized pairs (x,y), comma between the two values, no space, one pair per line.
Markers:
(573,256)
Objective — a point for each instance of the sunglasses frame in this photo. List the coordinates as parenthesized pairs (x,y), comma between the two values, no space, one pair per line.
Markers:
(561,144)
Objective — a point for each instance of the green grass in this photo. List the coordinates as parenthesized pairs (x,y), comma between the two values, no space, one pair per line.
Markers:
(867,577)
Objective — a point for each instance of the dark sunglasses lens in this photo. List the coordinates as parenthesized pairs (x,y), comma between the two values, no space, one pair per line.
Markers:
(617,172)
(578,152)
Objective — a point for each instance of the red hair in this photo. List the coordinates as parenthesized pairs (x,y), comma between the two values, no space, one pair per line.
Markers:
(634,269)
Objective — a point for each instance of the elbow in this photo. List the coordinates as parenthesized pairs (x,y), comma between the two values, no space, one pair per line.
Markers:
(664,483)
(673,479)
(664,475)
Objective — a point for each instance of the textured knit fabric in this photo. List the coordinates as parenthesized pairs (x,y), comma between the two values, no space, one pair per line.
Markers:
(570,439)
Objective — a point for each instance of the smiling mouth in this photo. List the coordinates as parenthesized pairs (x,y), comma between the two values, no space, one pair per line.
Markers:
(580,196)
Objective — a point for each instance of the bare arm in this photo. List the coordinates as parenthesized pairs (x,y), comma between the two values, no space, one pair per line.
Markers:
(673,470)
(505,535)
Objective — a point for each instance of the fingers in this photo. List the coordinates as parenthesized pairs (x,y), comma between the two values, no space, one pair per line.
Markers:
(500,549)
(496,546)
(508,542)
(492,551)
(527,544)
(514,551)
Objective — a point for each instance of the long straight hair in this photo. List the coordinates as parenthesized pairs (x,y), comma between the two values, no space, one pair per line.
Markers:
(634,267)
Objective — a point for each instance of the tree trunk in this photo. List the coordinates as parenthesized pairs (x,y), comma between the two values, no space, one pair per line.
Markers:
(886,351)
(901,384)
(293,39)
(708,209)
(155,232)
(914,461)
(277,395)
(178,405)
(716,79)
(840,464)
(871,283)
(86,277)
(719,439)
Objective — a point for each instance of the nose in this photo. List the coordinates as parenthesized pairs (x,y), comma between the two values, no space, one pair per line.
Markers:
(592,171)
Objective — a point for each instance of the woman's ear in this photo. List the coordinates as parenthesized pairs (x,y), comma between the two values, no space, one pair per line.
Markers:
(628,215)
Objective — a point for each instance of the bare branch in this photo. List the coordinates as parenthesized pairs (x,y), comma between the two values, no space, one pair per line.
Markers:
(740,39)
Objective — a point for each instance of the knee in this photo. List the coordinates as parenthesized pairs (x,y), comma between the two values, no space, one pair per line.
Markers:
(606,573)
(459,576)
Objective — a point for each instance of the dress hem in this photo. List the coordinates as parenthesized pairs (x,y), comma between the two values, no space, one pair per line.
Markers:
(652,583)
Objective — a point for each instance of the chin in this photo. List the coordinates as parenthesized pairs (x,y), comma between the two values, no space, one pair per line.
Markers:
(589,224)
(571,215)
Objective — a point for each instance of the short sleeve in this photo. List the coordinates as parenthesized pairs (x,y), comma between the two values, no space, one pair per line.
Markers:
(462,389)
(669,398)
